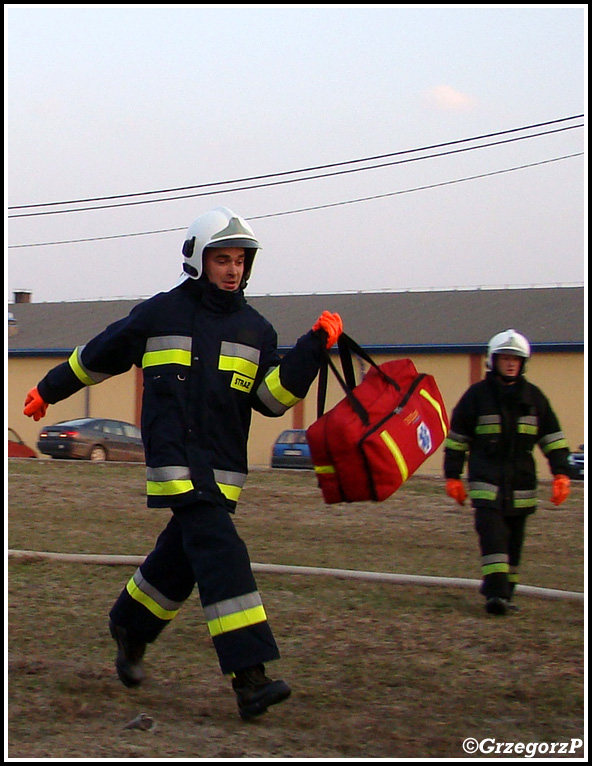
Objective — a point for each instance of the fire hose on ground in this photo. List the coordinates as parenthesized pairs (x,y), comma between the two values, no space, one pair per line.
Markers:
(343,574)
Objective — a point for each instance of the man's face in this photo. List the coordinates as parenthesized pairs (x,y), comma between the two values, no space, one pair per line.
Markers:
(224,266)
(508,365)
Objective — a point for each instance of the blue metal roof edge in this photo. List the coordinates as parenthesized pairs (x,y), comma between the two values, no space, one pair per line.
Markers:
(40,351)
(456,348)
(419,348)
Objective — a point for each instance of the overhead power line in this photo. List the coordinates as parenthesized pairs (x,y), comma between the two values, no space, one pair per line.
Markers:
(294,172)
(316,207)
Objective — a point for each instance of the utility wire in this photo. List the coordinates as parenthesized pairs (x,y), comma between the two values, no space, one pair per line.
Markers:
(308,209)
(293,172)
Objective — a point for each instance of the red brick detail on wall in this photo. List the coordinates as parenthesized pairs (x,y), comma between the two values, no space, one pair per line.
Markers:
(298,415)
(476,368)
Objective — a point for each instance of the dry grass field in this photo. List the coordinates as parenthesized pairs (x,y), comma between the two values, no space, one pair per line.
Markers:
(378,670)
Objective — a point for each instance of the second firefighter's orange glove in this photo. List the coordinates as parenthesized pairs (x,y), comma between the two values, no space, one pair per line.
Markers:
(561,489)
(456,490)
(331,324)
(35,406)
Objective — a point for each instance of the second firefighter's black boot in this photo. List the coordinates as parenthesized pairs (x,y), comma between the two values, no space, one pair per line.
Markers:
(255,692)
(130,652)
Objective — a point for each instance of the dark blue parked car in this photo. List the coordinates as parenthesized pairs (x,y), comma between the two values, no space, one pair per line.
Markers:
(291,450)
(576,464)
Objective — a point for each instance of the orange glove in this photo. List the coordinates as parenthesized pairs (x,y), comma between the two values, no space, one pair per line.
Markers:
(35,406)
(331,324)
(561,490)
(456,490)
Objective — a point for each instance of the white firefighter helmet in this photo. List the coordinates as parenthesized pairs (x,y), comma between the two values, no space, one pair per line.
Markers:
(218,228)
(507,342)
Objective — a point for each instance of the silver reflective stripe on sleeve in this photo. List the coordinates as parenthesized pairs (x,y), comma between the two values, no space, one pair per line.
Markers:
(273,394)
(457,442)
(553,441)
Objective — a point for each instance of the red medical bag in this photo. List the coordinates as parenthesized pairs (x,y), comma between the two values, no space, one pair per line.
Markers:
(375,438)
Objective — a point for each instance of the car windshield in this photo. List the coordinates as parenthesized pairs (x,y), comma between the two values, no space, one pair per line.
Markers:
(77,422)
(292,437)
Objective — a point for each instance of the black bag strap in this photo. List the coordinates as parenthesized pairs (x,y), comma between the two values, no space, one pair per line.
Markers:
(347,381)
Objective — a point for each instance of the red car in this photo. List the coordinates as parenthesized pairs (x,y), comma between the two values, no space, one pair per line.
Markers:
(17,447)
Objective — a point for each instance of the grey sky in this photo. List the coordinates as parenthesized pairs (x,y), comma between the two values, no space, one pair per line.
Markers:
(108,100)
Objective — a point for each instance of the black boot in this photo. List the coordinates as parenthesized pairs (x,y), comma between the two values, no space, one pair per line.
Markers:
(255,692)
(496,605)
(130,653)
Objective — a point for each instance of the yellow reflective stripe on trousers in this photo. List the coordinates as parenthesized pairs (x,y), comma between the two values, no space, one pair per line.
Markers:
(396,453)
(235,613)
(436,405)
(137,591)
(324,469)
(493,568)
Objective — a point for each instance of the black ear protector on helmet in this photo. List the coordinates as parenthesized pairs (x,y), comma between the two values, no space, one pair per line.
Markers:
(188,248)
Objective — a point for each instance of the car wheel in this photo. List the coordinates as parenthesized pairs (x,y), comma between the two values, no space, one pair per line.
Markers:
(97,454)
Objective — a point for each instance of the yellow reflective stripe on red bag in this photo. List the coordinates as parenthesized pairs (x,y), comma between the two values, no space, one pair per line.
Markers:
(396,453)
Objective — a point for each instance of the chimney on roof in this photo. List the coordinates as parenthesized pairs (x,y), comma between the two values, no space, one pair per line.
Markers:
(22,296)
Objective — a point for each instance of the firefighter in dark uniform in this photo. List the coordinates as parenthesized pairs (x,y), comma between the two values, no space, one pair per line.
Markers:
(498,422)
(208,360)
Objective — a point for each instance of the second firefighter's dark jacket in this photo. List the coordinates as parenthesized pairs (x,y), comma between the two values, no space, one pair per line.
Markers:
(208,360)
(498,426)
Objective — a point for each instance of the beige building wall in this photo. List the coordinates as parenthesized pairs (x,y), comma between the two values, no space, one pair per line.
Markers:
(560,376)
(113,398)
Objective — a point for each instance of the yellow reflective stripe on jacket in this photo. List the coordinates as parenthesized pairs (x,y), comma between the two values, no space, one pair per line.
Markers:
(480,490)
(168,480)
(235,613)
(236,357)
(230,483)
(436,405)
(84,375)
(273,394)
(147,595)
(324,469)
(524,498)
(488,424)
(528,425)
(396,453)
(167,349)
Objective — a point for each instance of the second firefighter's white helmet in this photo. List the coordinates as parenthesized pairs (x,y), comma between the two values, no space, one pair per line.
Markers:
(507,342)
(218,228)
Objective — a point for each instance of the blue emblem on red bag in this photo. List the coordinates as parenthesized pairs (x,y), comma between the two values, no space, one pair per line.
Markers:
(424,438)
